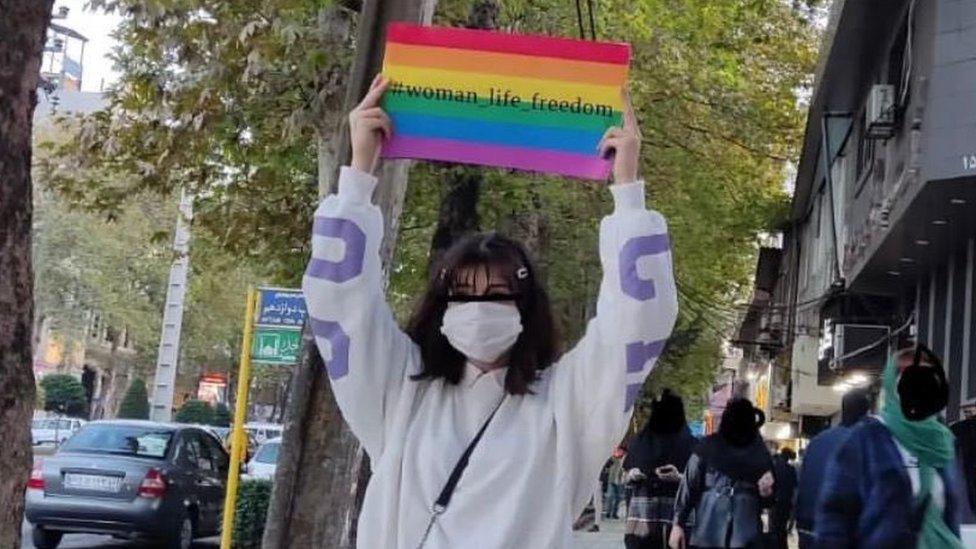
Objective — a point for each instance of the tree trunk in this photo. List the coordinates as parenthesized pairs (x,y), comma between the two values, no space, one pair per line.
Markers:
(457,214)
(530,227)
(322,470)
(23,29)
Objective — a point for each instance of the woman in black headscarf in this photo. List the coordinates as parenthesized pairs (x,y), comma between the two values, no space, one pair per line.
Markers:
(655,460)
(726,481)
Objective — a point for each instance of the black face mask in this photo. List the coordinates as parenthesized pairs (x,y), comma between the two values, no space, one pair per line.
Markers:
(922,389)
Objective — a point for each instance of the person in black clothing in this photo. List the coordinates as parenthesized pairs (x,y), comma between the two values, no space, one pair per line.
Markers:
(855,405)
(965,432)
(785,476)
(726,483)
(656,458)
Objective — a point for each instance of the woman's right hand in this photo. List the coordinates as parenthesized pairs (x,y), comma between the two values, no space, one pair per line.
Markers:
(677,538)
(368,126)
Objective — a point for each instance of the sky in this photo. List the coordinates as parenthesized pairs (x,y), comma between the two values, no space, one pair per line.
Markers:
(97,27)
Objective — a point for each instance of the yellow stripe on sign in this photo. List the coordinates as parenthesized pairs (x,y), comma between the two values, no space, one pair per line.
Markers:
(481,84)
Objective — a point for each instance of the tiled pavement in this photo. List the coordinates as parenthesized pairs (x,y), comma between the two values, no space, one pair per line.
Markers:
(610,536)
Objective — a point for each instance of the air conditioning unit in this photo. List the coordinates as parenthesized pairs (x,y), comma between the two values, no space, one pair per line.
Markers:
(879,114)
(861,346)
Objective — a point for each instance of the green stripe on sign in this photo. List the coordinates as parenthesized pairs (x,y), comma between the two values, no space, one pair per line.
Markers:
(523,114)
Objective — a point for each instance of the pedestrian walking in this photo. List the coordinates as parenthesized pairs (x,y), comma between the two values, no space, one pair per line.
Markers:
(479,435)
(726,483)
(616,479)
(656,458)
(781,515)
(965,433)
(855,405)
(893,482)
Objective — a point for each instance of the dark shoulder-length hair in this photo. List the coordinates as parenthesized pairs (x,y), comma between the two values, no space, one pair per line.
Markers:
(537,345)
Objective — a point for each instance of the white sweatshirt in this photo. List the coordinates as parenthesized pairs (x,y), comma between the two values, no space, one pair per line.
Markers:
(533,470)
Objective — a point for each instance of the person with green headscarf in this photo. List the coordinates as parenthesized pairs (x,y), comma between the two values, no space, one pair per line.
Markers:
(893,482)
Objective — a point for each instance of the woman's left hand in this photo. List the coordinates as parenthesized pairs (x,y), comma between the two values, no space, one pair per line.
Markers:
(669,473)
(625,144)
(766,484)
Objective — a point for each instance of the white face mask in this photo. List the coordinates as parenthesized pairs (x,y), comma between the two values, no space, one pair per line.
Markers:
(482,330)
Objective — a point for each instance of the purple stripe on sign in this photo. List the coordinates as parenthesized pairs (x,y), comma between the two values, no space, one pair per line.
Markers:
(331,331)
(573,165)
(640,353)
(635,248)
(352,263)
(632,391)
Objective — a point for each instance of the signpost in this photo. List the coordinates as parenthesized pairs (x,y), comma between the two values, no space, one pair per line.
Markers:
(273,321)
(276,345)
(281,308)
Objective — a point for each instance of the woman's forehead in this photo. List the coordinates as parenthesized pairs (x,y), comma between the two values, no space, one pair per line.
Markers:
(481,275)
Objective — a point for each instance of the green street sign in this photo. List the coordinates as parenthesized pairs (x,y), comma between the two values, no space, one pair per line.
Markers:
(276,345)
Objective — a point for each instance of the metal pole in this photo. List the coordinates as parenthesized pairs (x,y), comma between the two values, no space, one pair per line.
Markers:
(167,358)
(237,432)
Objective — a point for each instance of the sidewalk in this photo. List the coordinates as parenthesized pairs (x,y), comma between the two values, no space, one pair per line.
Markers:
(610,536)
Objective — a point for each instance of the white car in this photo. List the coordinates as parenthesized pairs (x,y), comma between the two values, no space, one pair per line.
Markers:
(265,461)
(54,430)
(264,431)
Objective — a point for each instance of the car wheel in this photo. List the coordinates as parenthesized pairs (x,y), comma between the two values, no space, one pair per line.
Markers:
(45,539)
(182,537)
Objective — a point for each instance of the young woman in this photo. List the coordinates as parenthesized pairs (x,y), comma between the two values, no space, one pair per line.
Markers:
(893,482)
(654,464)
(726,483)
(471,402)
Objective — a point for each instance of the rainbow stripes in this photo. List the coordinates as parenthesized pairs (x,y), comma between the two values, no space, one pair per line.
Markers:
(526,102)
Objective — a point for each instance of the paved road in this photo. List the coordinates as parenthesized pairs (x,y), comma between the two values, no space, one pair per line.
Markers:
(88,541)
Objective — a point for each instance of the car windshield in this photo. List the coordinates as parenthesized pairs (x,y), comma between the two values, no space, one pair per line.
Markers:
(268,453)
(131,440)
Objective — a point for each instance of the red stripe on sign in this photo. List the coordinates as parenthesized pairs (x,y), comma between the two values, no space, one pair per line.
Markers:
(538,46)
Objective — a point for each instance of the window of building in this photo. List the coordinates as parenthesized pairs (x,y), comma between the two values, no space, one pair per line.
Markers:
(865,152)
(898,62)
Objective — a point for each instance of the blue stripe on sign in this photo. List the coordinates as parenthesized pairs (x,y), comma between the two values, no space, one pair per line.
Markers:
(498,133)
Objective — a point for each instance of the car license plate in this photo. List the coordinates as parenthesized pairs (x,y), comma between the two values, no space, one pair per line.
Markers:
(95,483)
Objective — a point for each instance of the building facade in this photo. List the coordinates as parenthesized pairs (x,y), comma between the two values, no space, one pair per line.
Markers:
(880,244)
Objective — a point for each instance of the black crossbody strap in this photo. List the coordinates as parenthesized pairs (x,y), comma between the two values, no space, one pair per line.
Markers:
(452,481)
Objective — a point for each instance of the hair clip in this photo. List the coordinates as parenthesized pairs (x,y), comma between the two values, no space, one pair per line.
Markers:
(522,273)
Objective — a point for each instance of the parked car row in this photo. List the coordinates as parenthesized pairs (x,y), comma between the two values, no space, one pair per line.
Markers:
(54,430)
(136,480)
(264,431)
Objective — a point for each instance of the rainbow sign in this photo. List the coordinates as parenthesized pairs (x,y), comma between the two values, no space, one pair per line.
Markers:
(527,102)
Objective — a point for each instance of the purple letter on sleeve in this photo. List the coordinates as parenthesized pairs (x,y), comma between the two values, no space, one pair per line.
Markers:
(634,249)
(338,365)
(640,353)
(355,239)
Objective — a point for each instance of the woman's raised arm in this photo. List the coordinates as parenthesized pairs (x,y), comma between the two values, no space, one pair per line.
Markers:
(596,383)
(367,357)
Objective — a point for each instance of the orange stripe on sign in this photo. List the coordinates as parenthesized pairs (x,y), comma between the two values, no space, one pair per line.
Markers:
(504,64)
